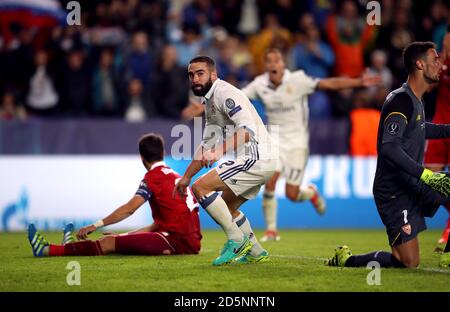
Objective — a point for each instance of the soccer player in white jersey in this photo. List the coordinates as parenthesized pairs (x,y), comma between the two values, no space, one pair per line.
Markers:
(284,95)
(232,127)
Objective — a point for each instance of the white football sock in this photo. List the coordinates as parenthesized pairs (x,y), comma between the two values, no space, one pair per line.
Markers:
(270,210)
(216,207)
(305,193)
(246,228)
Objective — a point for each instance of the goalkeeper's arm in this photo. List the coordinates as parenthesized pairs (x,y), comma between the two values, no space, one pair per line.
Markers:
(437,131)
(394,127)
(391,148)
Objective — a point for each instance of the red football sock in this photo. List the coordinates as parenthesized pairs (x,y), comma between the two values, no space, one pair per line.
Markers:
(56,250)
(83,248)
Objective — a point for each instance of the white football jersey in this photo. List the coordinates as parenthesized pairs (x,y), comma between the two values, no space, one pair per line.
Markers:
(286,106)
(226,110)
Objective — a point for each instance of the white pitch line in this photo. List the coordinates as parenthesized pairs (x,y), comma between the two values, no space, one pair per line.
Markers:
(434,270)
(299,257)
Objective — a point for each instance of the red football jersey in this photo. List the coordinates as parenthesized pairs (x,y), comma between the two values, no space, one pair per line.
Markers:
(442,115)
(179,215)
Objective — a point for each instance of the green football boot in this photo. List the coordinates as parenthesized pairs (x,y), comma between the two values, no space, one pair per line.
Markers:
(248,258)
(445,260)
(231,250)
(341,254)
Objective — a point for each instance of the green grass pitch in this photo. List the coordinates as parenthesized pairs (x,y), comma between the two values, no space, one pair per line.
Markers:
(296,265)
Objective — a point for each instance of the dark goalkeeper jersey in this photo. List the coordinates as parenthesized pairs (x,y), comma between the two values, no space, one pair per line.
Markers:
(401,143)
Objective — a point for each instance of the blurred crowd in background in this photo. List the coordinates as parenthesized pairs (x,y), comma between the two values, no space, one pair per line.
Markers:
(128,58)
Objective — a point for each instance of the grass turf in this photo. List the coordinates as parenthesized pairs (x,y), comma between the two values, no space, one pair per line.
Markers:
(296,265)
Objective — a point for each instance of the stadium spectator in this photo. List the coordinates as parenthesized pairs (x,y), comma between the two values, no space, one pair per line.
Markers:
(76,85)
(190,43)
(349,35)
(42,97)
(106,86)
(395,37)
(321,9)
(316,58)
(364,120)
(152,19)
(312,54)
(17,57)
(231,15)
(176,226)
(249,21)
(434,23)
(139,103)
(218,38)
(259,42)
(10,110)
(148,25)
(287,12)
(139,62)
(229,66)
(379,67)
(170,86)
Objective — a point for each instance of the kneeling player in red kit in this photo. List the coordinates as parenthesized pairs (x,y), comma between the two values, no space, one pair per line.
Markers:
(176,227)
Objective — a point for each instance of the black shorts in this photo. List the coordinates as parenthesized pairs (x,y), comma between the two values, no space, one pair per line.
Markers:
(402,218)
(404,215)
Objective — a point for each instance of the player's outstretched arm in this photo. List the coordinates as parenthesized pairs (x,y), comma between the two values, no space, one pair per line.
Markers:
(194,167)
(338,83)
(146,229)
(118,215)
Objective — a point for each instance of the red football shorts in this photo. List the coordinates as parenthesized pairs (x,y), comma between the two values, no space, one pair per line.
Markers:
(158,243)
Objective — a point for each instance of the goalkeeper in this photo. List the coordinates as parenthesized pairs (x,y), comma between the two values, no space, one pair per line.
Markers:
(404,191)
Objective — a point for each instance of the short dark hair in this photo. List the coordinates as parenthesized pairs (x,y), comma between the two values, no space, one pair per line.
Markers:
(273,50)
(151,147)
(204,59)
(415,51)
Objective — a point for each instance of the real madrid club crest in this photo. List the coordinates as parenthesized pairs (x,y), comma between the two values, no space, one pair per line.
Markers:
(288,90)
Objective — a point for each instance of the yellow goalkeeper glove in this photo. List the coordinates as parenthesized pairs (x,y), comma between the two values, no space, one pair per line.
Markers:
(438,181)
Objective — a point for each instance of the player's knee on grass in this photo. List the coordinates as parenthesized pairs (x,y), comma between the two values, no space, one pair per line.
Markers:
(108,244)
(408,253)
(411,263)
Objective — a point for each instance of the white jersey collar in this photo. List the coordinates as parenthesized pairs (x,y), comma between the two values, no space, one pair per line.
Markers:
(210,92)
(158,164)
